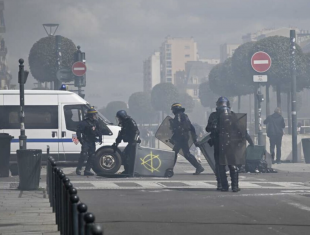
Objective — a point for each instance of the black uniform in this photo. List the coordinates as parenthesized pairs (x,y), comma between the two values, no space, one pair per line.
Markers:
(129,134)
(275,125)
(88,133)
(182,128)
(220,171)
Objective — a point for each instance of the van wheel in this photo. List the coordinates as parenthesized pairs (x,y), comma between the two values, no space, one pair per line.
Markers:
(106,161)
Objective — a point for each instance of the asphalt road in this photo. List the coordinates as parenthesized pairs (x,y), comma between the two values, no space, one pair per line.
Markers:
(186,204)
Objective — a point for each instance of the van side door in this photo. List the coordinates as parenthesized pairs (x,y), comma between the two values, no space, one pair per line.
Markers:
(71,115)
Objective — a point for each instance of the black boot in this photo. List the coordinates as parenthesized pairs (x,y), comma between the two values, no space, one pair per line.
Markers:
(234,174)
(218,179)
(223,178)
(88,167)
(195,164)
(199,170)
(78,170)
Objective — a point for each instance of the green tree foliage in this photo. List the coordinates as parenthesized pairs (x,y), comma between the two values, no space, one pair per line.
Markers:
(163,96)
(112,108)
(279,74)
(140,107)
(187,102)
(222,80)
(43,58)
(242,69)
(206,95)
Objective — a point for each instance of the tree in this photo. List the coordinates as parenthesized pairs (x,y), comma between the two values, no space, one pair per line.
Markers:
(206,95)
(279,74)
(187,102)
(112,108)
(43,58)
(163,95)
(140,107)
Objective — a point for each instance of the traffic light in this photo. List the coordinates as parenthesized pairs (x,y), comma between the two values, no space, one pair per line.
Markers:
(260,97)
(80,81)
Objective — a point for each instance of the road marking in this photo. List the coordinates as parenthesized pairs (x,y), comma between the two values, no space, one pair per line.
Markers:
(261,62)
(299,206)
(186,184)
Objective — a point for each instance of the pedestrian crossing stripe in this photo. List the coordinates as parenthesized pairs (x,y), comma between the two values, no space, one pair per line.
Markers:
(166,184)
(162,184)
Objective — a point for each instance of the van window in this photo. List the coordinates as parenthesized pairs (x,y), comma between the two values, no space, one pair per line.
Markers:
(36,117)
(73,115)
(76,113)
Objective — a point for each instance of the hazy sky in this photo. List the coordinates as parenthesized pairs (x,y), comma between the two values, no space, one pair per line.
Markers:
(117,35)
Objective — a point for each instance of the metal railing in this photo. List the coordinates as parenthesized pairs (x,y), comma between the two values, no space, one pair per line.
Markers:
(72,217)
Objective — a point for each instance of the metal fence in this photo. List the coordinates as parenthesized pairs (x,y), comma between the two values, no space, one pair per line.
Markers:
(72,217)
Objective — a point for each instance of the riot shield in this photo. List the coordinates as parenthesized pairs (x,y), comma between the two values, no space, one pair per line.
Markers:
(232,132)
(165,134)
(207,151)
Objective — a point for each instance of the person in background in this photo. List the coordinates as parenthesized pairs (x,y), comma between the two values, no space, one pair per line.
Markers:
(275,125)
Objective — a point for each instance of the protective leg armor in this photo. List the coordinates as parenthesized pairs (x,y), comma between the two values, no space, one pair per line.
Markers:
(234,175)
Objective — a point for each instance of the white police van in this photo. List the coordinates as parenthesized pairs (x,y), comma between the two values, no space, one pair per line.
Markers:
(51,118)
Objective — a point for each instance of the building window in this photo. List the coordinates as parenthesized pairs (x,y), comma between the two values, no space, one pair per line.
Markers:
(168,64)
(195,92)
(169,79)
(187,47)
(169,72)
(187,55)
(168,45)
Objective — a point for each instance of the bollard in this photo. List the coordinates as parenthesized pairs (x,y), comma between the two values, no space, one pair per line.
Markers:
(68,185)
(97,230)
(57,172)
(60,204)
(89,219)
(82,209)
(72,192)
(63,204)
(74,225)
(52,183)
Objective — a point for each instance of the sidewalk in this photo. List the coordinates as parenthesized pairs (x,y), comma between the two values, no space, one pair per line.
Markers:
(24,212)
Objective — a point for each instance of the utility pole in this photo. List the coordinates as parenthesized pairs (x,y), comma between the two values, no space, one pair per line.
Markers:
(260,99)
(22,78)
(294,112)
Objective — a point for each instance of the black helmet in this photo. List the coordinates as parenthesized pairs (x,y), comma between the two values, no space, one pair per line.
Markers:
(121,115)
(222,102)
(177,107)
(90,113)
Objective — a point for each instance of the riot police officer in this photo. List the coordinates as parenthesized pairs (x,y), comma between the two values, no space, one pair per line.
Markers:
(88,133)
(223,108)
(182,130)
(130,134)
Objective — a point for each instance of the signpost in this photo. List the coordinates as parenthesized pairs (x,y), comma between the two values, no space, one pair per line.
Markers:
(261,63)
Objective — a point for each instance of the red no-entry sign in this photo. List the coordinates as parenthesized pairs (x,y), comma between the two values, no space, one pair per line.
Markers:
(261,62)
(79,68)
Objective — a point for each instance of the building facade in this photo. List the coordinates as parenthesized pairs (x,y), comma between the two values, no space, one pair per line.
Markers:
(196,72)
(5,76)
(227,51)
(174,53)
(151,72)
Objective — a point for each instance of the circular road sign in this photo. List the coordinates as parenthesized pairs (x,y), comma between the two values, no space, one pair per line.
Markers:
(261,62)
(79,68)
